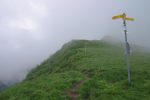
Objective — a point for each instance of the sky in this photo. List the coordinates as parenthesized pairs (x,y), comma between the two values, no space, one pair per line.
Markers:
(32,30)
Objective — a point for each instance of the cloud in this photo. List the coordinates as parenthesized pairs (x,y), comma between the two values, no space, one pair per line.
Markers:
(21,37)
(24,24)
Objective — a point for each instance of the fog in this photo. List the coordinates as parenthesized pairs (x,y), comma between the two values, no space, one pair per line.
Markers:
(32,30)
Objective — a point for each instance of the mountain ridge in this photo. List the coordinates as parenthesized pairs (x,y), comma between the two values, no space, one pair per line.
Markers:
(101,62)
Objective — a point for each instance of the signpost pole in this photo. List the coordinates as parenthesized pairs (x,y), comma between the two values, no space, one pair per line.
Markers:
(126,48)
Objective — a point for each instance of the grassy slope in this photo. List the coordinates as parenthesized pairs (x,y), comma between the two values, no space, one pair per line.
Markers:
(101,62)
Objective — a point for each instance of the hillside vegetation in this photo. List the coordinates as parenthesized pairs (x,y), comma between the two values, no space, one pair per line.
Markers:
(86,70)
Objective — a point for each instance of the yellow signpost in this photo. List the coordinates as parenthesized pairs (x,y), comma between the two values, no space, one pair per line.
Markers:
(127,49)
(123,16)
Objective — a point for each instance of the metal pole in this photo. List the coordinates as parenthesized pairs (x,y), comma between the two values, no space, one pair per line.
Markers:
(126,49)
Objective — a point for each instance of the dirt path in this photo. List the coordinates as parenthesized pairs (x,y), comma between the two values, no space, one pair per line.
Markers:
(73,92)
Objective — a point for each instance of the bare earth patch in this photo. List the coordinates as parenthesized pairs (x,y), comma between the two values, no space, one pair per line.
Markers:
(73,92)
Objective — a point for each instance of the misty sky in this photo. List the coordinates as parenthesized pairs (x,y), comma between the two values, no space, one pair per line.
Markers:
(31,30)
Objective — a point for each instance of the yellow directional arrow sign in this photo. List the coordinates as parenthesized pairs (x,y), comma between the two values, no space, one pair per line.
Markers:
(117,17)
(130,19)
(123,16)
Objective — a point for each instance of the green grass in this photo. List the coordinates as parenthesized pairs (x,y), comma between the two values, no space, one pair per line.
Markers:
(103,64)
